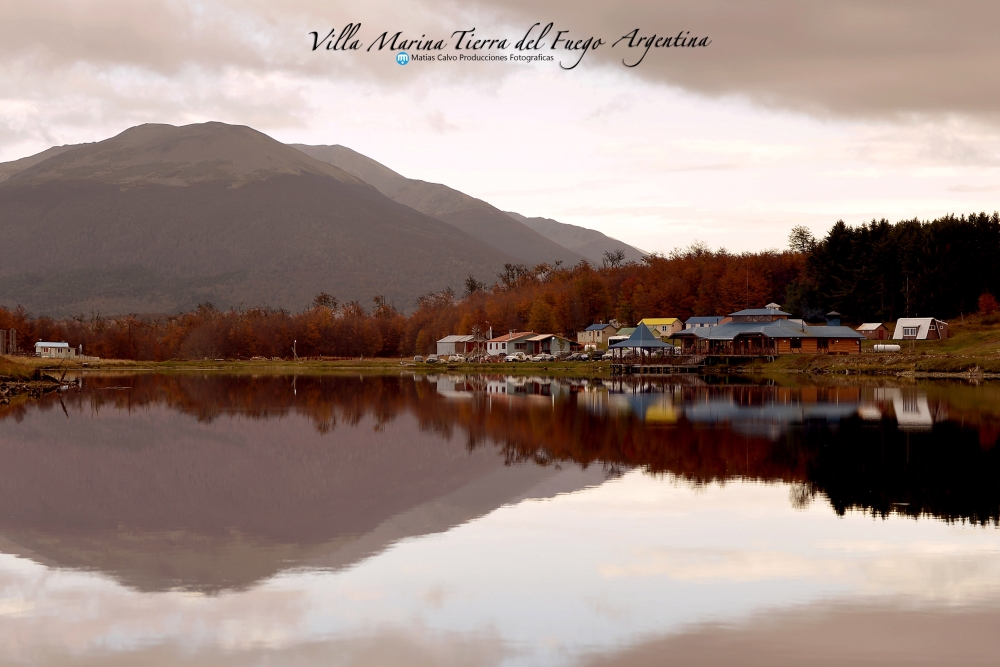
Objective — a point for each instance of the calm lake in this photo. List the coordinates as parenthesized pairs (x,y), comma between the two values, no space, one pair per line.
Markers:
(488,520)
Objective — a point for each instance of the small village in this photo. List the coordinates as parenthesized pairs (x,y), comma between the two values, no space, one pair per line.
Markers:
(669,344)
(653,346)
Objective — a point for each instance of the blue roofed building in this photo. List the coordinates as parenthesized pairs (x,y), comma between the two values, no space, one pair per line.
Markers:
(596,334)
(768,331)
(702,321)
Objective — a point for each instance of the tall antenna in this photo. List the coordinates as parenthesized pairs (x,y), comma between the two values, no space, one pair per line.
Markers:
(748,288)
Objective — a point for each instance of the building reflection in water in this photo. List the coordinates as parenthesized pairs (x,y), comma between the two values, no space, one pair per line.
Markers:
(217,481)
(474,519)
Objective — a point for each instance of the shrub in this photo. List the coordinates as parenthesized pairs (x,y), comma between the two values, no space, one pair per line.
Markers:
(988,304)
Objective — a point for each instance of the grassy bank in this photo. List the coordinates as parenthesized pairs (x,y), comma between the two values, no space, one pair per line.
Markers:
(16,368)
(393,366)
(972,348)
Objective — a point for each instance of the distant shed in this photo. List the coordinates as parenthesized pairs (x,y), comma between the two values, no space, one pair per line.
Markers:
(874,330)
(455,344)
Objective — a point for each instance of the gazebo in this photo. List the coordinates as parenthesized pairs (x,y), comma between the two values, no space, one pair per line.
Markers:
(642,339)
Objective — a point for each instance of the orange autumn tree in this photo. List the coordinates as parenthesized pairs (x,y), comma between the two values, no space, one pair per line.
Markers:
(547,298)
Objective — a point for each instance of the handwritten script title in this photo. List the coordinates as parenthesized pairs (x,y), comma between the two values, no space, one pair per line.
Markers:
(537,38)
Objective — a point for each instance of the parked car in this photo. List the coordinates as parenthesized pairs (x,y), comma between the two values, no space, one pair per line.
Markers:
(597,355)
(517,356)
(432,359)
(418,359)
(457,358)
(543,357)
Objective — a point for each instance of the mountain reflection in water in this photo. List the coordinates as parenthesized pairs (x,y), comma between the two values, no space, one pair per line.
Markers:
(125,475)
(215,484)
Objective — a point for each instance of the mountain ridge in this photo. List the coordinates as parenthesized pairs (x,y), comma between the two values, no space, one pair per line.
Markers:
(474,216)
(161,218)
(458,208)
(590,243)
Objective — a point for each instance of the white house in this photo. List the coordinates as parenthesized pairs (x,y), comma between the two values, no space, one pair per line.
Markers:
(920,328)
(550,344)
(54,350)
(510,343)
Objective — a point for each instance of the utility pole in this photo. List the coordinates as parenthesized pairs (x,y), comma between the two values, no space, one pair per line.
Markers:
(295,355)
(907,296)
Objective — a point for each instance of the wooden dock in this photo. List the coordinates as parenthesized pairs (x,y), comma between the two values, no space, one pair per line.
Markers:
(691,364)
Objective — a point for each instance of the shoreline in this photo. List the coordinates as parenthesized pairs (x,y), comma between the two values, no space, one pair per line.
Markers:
(28,378)
(893,365)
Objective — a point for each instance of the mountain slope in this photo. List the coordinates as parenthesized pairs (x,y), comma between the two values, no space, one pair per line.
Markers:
(160,218)
(473,216)
(8,169)
(590,243)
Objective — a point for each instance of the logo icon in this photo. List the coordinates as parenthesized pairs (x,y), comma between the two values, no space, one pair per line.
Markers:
(402,57)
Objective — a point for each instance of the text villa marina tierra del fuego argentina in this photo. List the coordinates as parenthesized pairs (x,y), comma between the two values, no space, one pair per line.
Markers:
(474,47)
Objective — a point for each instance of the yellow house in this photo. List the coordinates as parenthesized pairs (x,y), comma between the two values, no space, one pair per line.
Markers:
(663,327)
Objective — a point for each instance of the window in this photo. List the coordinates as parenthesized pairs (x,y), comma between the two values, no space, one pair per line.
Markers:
(796,343)
(822,343)
(932,327)
(910,331)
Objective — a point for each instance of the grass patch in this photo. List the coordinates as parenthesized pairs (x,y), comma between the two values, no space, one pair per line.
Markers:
(14,367)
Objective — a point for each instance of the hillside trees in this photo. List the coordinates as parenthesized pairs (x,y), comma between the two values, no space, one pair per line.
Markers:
(881,271)
(877,271)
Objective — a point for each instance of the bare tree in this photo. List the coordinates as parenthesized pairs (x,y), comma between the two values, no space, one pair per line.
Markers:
(613,259)
(513,275)
(324,300)
(472,285)
(383,307)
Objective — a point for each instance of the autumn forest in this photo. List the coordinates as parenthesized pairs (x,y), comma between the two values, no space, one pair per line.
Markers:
(874,272)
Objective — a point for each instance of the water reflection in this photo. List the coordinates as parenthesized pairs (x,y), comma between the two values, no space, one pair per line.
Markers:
(486,519)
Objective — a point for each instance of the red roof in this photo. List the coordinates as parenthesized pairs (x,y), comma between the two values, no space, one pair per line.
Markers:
(514,336)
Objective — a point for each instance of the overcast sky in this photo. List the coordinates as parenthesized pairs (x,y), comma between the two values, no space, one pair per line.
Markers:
(797,112)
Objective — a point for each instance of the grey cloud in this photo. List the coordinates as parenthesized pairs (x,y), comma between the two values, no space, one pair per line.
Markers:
(854,57)
(413,647)
(165,37)
(827,634)
(115,62)
(439,123)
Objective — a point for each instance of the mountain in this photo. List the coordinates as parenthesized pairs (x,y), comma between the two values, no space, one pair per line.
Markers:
(214,504)
(473,216)
(8,169)
(590,243)
(160,218)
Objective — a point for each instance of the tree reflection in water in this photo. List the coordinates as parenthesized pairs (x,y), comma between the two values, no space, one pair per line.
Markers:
(218,483)
(913,449)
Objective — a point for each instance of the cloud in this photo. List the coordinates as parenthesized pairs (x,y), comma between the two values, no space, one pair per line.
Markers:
(852,58)
(438,122)
(824,633)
